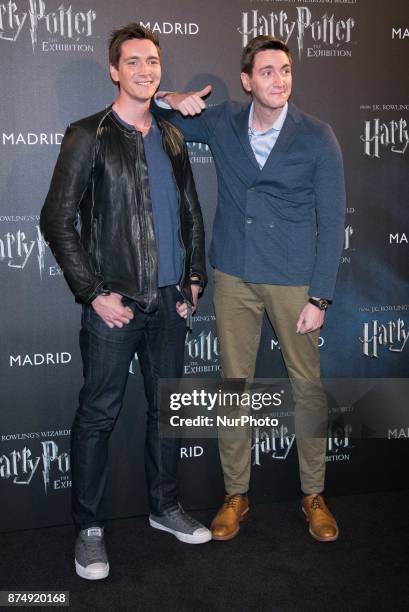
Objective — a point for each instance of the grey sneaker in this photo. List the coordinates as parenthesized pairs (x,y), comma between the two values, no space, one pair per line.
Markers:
(91,560)
(182,525)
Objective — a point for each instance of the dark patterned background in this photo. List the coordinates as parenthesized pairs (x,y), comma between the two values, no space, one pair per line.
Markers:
(349,70)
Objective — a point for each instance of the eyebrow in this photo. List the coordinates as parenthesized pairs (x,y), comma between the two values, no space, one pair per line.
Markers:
(131,57)
(271,66)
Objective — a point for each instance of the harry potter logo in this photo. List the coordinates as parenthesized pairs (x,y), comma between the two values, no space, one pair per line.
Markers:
(21,465)
(16,249)
(63,22)
(275,442)
(325,30)
(392,335)
(389,134)
(205,347)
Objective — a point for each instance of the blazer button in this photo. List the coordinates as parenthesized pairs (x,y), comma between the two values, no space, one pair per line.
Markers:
(249,220)
(271,224)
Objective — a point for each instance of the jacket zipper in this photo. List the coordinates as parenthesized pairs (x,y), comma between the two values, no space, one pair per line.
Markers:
(96,244)
(147,261)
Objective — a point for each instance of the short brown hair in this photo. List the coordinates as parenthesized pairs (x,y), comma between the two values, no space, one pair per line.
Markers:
(260,43)
(129,32)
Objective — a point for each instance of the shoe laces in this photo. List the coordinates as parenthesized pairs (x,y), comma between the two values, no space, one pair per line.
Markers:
(232,501)
(316,503)
(183,518)
(93,544)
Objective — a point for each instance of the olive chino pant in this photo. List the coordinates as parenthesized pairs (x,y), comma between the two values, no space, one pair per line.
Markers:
(239,308)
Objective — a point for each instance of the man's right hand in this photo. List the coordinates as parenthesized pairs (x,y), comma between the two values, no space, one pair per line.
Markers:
(189,104)
(111,310)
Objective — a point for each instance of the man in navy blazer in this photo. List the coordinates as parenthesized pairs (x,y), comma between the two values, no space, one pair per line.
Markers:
(276,246)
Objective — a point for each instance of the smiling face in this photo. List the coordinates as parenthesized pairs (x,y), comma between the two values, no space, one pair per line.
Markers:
(270,80)
(139,71)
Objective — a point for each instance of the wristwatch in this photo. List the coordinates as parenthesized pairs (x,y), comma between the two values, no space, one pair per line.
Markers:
(195,280)
(322,304)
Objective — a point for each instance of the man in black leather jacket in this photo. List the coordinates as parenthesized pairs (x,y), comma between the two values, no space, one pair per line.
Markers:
(124,223)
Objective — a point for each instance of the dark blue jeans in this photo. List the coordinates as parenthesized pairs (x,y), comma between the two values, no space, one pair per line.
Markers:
(159,340)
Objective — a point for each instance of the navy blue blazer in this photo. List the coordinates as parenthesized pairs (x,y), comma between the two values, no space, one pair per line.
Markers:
(283,224)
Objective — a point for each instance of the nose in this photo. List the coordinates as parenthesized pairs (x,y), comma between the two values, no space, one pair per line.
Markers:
(277,78)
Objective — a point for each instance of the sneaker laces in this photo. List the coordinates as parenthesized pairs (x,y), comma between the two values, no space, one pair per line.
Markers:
(94,546)
(183,518)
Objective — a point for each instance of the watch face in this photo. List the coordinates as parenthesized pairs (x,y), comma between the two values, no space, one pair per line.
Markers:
(323,304)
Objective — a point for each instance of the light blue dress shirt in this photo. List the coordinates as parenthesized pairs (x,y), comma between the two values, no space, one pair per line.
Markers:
(262,143)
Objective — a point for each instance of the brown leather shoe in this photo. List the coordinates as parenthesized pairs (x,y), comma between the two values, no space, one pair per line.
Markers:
(226,523)
(323,526)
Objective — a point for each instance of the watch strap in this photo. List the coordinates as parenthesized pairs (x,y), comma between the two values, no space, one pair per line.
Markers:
(322,304)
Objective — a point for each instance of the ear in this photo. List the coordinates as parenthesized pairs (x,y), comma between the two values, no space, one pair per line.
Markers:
(113,73)
(245,81)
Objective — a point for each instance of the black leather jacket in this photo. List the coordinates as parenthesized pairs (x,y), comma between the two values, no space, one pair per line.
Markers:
(97,217)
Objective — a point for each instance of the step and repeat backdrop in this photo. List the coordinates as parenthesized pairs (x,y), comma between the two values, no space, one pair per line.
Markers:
(349,59)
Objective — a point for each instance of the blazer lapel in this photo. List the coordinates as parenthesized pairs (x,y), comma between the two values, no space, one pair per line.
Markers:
(242,123)
(285,138)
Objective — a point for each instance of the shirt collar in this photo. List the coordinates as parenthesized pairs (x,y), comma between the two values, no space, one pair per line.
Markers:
(131,127)
(277,125)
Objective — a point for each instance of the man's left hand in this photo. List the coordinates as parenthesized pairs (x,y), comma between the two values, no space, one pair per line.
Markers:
(181,307)
(310,319)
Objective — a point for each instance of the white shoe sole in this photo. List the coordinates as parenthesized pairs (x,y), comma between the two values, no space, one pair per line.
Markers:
(92,573)
(183,537)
